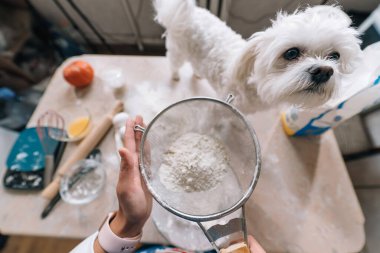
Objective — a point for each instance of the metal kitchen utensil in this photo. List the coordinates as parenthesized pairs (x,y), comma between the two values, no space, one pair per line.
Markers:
(83,182)
(48,121)
(94,155)
(218,211)
(54,123)
(62,120)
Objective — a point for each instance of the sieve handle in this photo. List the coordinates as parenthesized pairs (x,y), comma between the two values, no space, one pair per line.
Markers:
(139,128)
(227,237)
(232,226)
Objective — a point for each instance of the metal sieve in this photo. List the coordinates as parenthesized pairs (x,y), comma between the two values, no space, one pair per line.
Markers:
(219,211)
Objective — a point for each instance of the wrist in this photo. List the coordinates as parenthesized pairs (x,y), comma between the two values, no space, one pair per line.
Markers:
(124,228)
(109,241)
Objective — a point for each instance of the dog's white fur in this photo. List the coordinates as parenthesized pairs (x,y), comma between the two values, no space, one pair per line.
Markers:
(256,68)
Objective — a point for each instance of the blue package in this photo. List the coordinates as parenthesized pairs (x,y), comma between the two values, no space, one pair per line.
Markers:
(26,160)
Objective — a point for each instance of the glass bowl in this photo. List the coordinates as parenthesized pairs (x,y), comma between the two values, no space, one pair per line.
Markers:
(83,182)
(69,124)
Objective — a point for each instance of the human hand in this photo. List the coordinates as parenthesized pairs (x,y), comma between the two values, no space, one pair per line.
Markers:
(254,246)
(135,201)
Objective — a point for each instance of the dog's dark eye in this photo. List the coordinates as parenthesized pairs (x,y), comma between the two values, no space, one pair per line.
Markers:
(292,53)
(333,56)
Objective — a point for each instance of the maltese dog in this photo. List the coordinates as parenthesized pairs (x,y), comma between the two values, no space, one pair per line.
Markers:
(298,60)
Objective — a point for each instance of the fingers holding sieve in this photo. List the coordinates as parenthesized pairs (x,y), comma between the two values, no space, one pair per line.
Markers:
(139,125)
(129,136)
(146,159)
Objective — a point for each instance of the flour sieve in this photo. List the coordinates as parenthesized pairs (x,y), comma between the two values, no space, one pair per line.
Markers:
(217,205)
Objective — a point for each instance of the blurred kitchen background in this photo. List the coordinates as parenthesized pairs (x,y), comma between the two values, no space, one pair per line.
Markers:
(37,35)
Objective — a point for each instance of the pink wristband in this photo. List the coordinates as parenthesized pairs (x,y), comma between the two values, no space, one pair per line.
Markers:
(111,243)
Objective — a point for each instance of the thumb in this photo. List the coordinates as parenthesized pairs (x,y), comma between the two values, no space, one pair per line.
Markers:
(254,246)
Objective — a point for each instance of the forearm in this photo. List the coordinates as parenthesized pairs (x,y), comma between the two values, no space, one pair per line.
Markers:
(125,228)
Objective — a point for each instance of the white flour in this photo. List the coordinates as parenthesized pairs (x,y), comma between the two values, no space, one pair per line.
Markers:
(194,163)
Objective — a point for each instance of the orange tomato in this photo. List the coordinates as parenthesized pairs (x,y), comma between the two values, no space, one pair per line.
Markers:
(78,73)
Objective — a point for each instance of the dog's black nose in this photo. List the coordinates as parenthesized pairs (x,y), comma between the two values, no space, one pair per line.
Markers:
(320,74)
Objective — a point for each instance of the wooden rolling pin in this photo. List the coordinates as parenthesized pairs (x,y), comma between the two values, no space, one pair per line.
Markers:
(83,149)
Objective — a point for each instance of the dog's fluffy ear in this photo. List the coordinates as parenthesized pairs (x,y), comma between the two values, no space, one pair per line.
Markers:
(330,12)
(353,54)
(244,63)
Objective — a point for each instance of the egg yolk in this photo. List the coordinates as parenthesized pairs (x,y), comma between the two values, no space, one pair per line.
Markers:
(78,127)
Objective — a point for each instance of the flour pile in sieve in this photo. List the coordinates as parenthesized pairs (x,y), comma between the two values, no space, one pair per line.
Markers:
(194,163)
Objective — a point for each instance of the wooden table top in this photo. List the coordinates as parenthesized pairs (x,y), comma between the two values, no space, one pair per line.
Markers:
(304,200)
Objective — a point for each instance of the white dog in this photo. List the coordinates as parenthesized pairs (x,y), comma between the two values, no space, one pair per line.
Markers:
(298,60)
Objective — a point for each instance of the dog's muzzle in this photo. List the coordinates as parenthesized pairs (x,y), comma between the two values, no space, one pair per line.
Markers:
(320,74)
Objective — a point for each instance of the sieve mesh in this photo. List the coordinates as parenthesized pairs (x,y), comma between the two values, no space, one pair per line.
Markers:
(225,124)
